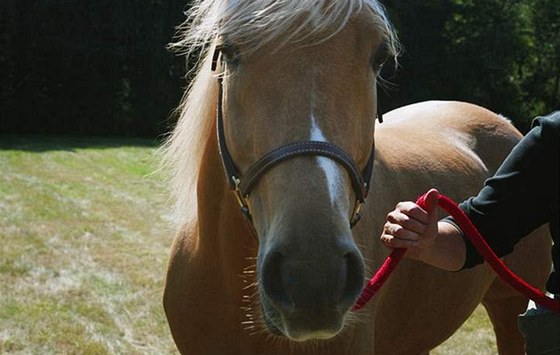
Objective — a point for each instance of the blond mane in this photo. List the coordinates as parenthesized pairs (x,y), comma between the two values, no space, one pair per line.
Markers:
(251,23)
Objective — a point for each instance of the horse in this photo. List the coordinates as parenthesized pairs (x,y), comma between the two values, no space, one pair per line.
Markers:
(270,253)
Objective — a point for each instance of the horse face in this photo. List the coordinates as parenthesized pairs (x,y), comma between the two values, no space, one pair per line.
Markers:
(309,268)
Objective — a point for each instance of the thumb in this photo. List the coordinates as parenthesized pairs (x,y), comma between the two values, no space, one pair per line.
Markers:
(429,202)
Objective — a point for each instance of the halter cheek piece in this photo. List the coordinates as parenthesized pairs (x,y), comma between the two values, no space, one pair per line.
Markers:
(243,185)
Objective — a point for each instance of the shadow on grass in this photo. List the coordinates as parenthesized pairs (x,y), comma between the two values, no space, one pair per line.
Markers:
(70,143)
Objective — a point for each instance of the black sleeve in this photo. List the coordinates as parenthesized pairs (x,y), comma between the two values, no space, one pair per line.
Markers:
(521,195)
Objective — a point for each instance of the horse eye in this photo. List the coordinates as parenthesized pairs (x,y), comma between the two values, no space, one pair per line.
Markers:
(230,55)
(380,56)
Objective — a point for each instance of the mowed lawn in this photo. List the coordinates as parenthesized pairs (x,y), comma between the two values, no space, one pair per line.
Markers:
(83,247)
(84,241)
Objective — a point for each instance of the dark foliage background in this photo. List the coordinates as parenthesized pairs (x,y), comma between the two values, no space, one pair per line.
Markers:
(501,54)
(100,67)
(88,67)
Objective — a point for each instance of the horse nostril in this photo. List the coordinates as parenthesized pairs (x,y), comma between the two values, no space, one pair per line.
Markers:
(272,281)
(354,278)
(310,283)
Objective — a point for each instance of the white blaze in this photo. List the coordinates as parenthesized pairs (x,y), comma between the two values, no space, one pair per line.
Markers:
(329,167)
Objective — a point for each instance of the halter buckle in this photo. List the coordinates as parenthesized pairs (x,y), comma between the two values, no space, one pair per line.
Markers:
(356,213)
(242,200)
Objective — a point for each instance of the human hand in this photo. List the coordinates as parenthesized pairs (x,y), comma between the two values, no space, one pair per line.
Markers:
(412,227)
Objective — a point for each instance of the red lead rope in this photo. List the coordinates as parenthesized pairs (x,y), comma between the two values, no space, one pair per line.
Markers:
(481,246)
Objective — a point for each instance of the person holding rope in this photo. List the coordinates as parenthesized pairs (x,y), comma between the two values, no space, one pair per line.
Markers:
(522,196)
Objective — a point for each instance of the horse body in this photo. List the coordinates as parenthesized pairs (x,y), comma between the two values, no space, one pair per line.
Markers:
(454,147)
(286,284)
(210,304)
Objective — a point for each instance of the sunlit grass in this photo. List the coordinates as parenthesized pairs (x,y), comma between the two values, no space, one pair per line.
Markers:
(84,242)
(474,337)
(83,245)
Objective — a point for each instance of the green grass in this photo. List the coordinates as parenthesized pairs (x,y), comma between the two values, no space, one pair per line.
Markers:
(84,242)
(83,247)
(474,337)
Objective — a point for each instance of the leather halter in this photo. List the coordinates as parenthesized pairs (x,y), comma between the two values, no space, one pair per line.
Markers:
(243,185)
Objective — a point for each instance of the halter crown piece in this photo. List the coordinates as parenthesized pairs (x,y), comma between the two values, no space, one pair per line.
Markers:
(243,185)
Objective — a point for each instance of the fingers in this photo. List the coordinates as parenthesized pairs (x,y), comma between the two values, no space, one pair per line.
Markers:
(392,242)
(400,222)
(412,210)
(395,233)
(408,223)
(395,236)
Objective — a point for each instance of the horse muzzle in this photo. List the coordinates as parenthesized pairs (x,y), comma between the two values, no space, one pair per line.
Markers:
(306,294)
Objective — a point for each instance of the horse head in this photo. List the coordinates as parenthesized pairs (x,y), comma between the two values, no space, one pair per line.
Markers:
(304,84)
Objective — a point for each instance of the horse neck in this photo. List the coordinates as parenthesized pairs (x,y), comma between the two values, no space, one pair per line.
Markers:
(385,185)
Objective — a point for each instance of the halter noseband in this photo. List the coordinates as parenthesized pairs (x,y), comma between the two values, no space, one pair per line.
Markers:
(243,185)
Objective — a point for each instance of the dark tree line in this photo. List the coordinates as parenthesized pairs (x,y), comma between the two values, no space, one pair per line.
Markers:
(98,67)
(88,66)
(501,54)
